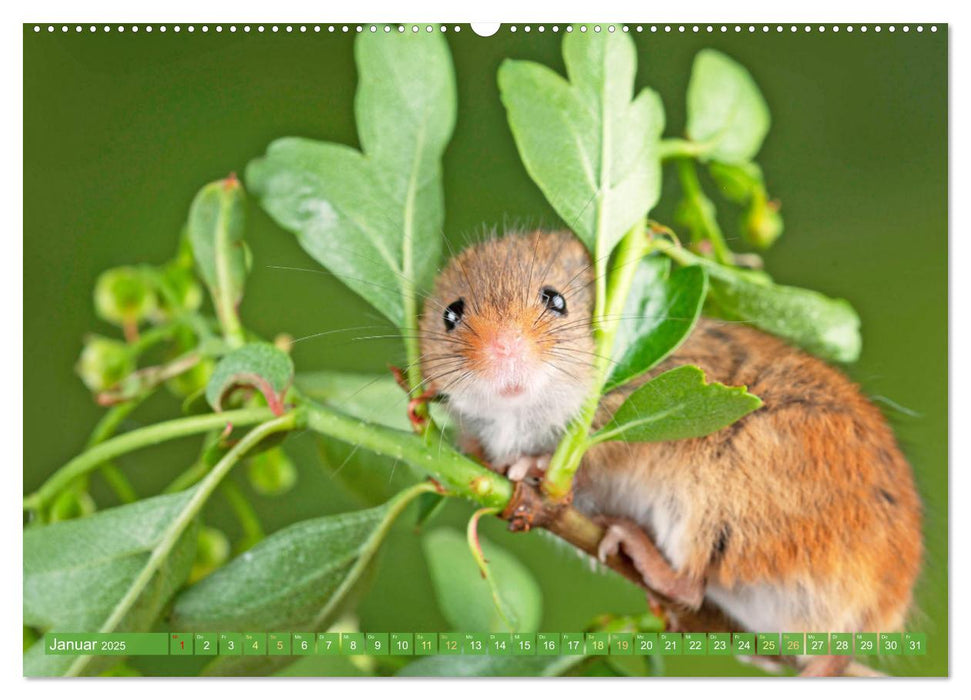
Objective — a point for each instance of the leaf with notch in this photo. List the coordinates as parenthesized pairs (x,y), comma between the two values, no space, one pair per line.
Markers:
(727,115)
(660,312)
(591,149)
(77,574)
(677,405)
(261,366)
(373,218)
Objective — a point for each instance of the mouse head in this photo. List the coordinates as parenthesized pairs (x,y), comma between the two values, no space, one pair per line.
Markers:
(508,324)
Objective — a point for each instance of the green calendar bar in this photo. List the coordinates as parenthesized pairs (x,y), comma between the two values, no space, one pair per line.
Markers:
(548,644)
(254,643)
(352,643)
(670,643)
(719,644)
(573,644)
(101,644)
(402,644)
(475,644)
(645,643)
(598,643)
(695,644)
(915,643)
(329,644)
(278,644)
(182,643)
(865,644)
(426,643)
(621,644)
(817,643)
(304,643)
(891,644)
(205,643)
(793,643)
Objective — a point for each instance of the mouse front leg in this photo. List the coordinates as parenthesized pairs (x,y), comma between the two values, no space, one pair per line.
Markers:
(623,535)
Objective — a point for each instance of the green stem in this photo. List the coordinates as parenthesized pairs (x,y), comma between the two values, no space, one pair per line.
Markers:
(105,428)
(178,526)
(136,439)
(680,148)
(118,482)
(704,210)
(454,471)
(190,476)
(472,537)
(244,511)
(566,459)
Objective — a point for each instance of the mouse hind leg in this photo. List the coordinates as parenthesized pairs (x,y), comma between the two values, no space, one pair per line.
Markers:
(623,535)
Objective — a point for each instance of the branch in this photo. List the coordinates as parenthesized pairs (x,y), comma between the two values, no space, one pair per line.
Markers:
(529,508)
(522,505)
(136,439)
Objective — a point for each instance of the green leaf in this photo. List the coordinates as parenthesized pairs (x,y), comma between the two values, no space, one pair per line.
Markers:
(727,115)
(491,666)
(590,148)
(373,218)
(95,573)
(260,366)
(375,398)
(215,230)
(676,405)
(826,327)
(465,597)
(660,312)
(297,578)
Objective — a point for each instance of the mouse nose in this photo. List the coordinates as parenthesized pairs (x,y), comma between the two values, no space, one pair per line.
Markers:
(507,344)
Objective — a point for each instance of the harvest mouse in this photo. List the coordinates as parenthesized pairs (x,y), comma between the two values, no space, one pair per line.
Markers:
(801,516)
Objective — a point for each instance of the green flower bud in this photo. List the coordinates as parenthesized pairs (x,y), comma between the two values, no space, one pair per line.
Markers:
(271,473)
(123,295)
(761,223)
(737,182)
(212,551)
(192,381)
(104,363)
(182,292)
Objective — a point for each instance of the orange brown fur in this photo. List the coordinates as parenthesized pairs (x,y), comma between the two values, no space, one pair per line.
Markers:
(802,515)
(810,487)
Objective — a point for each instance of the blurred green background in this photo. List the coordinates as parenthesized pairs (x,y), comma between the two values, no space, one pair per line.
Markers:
(120,131)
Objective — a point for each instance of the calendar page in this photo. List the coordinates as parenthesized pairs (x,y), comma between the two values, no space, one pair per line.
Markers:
(547,349)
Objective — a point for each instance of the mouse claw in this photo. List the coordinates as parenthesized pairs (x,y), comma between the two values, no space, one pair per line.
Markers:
(610,544)
(528,466)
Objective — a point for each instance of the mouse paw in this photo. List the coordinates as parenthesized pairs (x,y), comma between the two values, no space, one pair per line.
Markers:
(624,536)
(530,466)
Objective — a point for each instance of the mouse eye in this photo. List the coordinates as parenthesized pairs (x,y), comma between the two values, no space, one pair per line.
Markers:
(453,314)
(553,300)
